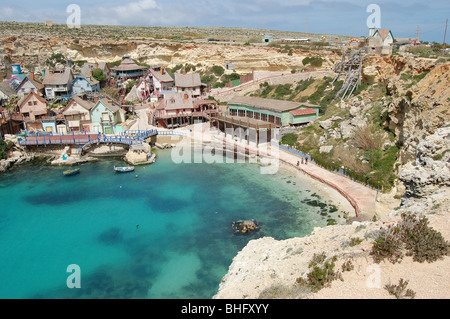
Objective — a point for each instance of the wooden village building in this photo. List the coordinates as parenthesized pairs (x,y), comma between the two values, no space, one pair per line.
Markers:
(36,115)
(32,107)
(77,115)
(190,83)
(88,68)
(85,83)
(58,83)
(10,123)
(278,112)
(257,115)
(180,109)
(154,84)
(127,69)
(106,117)
(30,83)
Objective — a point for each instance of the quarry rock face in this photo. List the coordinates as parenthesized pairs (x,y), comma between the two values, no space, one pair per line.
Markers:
(431,169)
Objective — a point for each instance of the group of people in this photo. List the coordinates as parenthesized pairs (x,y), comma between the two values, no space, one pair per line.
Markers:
(304,160)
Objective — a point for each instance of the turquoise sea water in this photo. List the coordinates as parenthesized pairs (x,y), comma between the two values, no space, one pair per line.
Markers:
(182,247)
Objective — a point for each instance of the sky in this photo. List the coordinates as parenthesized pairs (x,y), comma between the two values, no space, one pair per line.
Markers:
(342,17)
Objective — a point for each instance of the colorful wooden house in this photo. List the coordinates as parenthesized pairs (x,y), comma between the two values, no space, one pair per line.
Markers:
(107,117)
(85,83)
(127,69)
(58,83)
(87,68)
(9,123)
(277,112)
(154,83)
(15,80)
(180,109)
(189,83)
(30,83)
(32,107)
(386,36)
(77,115)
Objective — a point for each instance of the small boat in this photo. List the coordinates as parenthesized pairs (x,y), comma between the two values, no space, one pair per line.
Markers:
(71,172)
(125,169)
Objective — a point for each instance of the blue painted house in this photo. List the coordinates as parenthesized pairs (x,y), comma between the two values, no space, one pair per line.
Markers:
(85,83)
(107,117)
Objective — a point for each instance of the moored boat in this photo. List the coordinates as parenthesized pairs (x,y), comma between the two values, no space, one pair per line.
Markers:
(125,169)
(71,172)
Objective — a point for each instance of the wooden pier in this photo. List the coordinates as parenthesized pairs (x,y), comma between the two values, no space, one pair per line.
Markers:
(249,129)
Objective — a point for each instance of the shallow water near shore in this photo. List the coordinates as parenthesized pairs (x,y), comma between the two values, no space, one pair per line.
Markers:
(163,234)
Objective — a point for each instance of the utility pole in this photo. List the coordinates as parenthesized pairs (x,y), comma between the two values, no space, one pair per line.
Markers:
(445,33)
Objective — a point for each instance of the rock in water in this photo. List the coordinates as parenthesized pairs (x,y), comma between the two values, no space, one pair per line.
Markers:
(245,226)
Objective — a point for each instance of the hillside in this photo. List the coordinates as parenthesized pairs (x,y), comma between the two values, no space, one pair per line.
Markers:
(32,44)
(372,135)
(394,132)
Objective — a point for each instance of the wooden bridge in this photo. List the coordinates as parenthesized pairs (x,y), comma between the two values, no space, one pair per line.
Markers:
(86,139)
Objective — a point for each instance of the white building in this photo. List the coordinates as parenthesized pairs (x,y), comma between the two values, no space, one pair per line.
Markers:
(154,83)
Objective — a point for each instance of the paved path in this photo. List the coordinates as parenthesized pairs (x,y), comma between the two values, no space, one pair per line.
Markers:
(362,198)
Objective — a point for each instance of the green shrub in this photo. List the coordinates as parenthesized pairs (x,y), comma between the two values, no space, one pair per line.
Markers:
(98,75)
(289,139)
(282,90)
(412,236)
(315,61)
(4,148)
(347,266)
(400,291)
(354,241)
(321,272)
(218,70)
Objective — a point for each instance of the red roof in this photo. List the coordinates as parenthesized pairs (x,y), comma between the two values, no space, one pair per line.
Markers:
(300,112)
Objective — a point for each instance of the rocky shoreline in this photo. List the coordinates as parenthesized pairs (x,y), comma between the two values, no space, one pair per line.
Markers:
(267,268)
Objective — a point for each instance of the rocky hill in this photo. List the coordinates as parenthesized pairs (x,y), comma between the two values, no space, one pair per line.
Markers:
(32,44)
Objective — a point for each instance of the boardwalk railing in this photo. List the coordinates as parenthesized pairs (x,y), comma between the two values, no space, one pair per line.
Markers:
(306,156)
(58,139)
(292,151)
(86,139)
(262,80)
(171,132)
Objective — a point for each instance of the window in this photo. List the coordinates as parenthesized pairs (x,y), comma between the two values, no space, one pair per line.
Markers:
(105,117)
(30,103)
(34,102)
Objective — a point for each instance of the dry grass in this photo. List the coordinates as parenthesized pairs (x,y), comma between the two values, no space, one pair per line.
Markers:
(368,138)
(348,156)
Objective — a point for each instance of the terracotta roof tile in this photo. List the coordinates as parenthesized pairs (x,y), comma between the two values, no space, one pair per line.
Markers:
(301,112)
